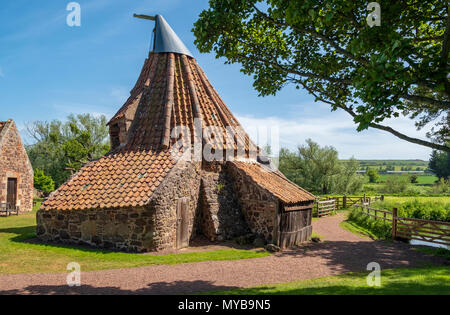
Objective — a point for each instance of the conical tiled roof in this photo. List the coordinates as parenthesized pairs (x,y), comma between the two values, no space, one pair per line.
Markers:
(172,90)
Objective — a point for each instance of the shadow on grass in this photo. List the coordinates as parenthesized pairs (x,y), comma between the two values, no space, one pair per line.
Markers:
(399,288)
(27,235)
(397,281)
(345,256)
(158,288)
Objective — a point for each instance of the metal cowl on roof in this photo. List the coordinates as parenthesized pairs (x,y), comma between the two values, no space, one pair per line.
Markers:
(166,40)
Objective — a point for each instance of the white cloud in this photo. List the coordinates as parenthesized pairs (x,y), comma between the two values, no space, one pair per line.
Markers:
(338,130)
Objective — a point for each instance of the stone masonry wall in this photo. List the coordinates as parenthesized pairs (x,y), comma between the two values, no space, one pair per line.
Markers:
(127,229)
(259,206)
(220,215)
(182,182)
(14,163)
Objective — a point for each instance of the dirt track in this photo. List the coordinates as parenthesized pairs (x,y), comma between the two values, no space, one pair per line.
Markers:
(342,252)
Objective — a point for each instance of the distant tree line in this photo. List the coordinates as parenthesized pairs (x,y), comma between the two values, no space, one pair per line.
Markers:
(61,148)
(319,170)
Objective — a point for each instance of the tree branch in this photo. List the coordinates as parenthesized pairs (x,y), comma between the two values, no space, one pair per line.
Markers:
(382,127)
(300,73)
(316,35)
(425,100)
(445,51)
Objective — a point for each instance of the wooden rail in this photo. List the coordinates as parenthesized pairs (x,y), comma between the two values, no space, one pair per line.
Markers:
(325,207)
(437,232)
(347,201)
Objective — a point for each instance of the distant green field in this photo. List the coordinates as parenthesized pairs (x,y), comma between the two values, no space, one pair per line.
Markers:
(394,165)
(421,199)
(421,179)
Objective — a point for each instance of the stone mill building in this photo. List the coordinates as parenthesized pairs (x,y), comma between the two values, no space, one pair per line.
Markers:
(16,172)
(156,190)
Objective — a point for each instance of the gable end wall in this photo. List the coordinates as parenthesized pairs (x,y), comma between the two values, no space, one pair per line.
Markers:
(14,163)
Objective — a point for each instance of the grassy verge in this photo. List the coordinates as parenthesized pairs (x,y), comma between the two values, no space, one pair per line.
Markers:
(354,228)
(375,228)
(430,280)
(17,255)
(441,252)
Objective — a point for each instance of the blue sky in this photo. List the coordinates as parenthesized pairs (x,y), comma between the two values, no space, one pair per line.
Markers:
(49,70)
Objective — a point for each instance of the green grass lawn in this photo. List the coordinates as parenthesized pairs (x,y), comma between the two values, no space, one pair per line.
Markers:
(17,255)
(421,179)
(430,280)
(354,228)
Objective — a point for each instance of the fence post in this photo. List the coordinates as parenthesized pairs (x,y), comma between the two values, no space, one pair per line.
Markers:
(382,198)
(364,198)
(344,201)
(394,224)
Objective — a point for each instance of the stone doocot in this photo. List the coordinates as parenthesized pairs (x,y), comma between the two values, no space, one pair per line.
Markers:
(16,167)
(216,200)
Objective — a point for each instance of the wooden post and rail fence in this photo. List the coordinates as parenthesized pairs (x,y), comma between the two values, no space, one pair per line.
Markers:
(324,207)
(437,232)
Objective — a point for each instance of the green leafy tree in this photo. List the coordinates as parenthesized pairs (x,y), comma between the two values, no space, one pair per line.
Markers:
(348,181)
(61,148)
(396,184)
(328,49)
(414,179)
(439,164)
(373,175)
(42,182)
(319,170)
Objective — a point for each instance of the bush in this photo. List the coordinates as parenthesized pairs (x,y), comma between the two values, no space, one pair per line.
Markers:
(442,187)
(373,176)
(396,184)
(379,228)
(426,210)
(42,182)
(413,179)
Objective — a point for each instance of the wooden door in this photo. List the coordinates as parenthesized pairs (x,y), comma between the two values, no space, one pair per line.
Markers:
(182,223)
(11,196)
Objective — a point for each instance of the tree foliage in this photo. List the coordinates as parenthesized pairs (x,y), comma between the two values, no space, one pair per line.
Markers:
(42,182)
(440,164)
(373,175)
(62,148)
(327,48)
(319,170)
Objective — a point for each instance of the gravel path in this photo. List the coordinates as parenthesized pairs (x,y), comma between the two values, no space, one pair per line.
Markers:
(342,252)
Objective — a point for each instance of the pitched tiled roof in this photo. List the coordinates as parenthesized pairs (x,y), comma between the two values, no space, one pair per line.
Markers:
(275,182)
(126,178)
(2,124)
(172,90)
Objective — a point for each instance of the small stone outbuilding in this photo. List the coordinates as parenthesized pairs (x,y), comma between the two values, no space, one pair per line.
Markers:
(145,195)
(16,172)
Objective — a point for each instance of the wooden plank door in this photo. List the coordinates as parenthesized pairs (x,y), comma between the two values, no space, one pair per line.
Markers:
(182,223)
(11,196)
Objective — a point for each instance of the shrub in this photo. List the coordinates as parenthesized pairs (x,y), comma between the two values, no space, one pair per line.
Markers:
(373,175)
(442,186)
(42,182)
(380,228)
(426,210)
(396,184)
